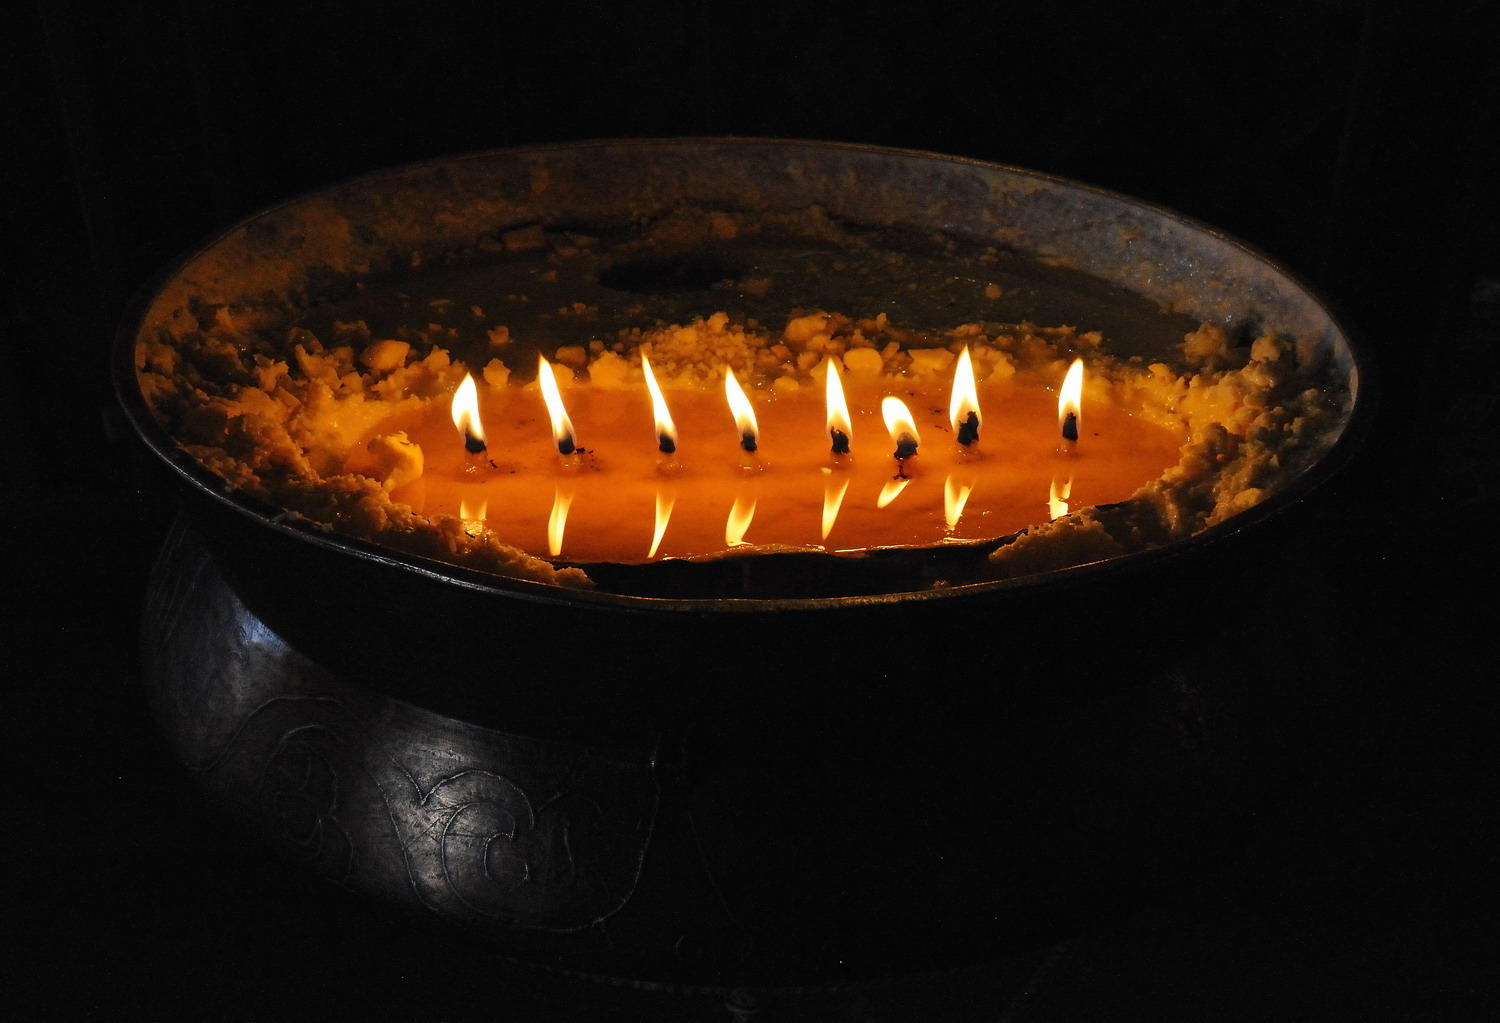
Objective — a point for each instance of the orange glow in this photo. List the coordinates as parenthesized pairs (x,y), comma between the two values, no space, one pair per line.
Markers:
(557,522)
(614,495)
(465,411)
(834,489)
(902,426)
(1070,402)
(666,430)
(1057,498)
(666,499)
(739,520)
(839,429)
(473,516)
(744,414)
(562,426)
(955,496)
(963,403)
(891,490)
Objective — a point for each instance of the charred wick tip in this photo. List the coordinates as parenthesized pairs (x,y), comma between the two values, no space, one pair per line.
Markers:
(840,442)
(566,446)
(905,448)
(472,444)
(968,430)
(666,445)
(1070,426)
(748,442)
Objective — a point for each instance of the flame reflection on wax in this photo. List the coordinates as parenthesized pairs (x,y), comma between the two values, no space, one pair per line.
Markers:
(739,520)
(834,489)
(891,490)
(956,493)
(1057,498)
(473,516)
(666,499)
(557,522)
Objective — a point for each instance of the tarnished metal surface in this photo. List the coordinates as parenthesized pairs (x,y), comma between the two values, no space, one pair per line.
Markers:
(859,835)
(512,834)
(433,207)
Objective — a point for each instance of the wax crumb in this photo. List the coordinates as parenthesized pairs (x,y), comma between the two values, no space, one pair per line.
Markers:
(496,373)
(992,291)
(608,369)
(803,328)
(398,458)
(863,362)
(1206,346)
(1072,539)
(499,336)
(384,356)
(1266,349)
(929,361)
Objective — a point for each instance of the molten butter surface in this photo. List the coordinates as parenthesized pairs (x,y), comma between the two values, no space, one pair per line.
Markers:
(614,488)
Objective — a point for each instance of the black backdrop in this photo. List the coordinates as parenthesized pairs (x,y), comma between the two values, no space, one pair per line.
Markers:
(1355,141)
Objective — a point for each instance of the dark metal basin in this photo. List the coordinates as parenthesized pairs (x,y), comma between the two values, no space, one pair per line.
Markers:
(421,628)
(733,789)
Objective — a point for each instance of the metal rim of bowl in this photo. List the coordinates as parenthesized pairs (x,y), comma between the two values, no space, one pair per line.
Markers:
(200,479)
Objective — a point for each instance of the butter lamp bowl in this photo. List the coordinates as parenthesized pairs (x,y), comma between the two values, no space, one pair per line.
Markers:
(450,729)
(399,615)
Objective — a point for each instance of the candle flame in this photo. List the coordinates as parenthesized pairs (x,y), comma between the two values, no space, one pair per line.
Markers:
(963,404)
(473,516)
(666,499)
(562,426)
(891,490)
(902,427)
(557,522)
(955,496)
(744,414)
(834,489)
(666,430)
(465,412)
(840,431)
(1070,401)
(739,520)
(1057,498)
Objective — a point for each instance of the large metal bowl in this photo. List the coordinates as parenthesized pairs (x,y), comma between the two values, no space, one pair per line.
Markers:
(398,620)
(662,787)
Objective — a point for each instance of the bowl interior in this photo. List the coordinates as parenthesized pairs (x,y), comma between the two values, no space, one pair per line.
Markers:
(1142,264)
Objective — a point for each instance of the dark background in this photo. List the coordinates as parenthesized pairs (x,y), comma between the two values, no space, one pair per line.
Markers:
(1354,141)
